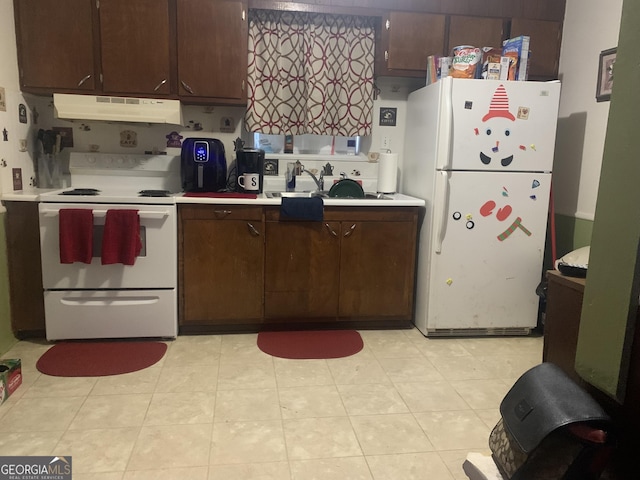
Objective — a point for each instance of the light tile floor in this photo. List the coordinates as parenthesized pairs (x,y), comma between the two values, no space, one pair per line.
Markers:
(217,408)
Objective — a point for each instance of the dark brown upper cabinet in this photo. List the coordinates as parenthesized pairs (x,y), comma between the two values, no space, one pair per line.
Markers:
(408,38)
(56,45)
(135,41)
(476,31)
(195,50)
(212,41)
(546,37)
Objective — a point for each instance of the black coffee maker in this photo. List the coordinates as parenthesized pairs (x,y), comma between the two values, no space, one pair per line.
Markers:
(203,165)
(250,160)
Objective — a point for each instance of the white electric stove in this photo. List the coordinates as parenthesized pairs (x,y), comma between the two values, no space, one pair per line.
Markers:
(91,300)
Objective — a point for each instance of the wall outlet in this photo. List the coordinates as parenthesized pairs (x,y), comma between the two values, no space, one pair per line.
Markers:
(386,143)
(16,174)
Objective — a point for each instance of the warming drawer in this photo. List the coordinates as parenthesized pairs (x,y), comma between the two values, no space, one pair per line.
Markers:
(110,314)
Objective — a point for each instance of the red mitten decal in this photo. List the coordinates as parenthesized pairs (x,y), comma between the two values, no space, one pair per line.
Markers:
(503,213)
(487,208)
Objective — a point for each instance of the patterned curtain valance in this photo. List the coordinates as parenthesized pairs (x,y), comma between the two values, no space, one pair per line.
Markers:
(310,73)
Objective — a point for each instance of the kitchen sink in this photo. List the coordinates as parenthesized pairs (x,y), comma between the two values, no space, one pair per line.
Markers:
(296,194)
(324,194)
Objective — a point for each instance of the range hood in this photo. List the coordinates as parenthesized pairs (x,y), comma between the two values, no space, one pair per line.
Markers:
(117,109)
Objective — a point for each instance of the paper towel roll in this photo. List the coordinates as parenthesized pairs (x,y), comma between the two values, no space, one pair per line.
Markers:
(387,172)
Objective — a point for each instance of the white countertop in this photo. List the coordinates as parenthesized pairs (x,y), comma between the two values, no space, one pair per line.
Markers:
(27,195)
(396,200)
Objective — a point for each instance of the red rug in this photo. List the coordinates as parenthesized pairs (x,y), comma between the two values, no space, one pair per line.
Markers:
(99,358)
(317,344)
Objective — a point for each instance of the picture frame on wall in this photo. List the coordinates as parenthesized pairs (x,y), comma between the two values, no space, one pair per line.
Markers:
(605,74)
(270,166)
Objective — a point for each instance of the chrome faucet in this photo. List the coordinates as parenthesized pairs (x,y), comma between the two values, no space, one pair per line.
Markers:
(319,180)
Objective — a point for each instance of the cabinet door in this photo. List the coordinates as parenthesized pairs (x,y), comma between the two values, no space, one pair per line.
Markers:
(302,270)
(212,49)
(221,261)
(546,37)
(476,31)
(410,38)
(55,42)
(25,270)
(377,269)
(135,45)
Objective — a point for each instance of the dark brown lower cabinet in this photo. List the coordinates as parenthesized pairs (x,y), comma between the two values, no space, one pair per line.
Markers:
(377,268)
(221,266)
(355,268)
(25,270)
(301,270)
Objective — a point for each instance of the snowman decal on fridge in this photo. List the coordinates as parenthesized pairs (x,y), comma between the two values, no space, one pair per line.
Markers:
(499,149)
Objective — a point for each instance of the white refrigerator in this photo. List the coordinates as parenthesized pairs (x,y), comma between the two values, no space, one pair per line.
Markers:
(480,152)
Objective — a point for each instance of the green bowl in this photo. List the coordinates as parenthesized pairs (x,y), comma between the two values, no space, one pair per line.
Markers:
(346,188)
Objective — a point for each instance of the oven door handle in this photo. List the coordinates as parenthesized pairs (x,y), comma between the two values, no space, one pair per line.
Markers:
(103,213)
(110,301)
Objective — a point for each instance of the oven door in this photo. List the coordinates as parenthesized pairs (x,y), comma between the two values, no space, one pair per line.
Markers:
(155,267)
(74,314)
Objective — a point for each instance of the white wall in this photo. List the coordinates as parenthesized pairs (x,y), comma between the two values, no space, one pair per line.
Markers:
(590,26)
(9,150)
(393,93)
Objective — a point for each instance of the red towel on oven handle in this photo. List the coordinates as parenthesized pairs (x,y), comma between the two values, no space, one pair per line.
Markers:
(75,227)
(121,237)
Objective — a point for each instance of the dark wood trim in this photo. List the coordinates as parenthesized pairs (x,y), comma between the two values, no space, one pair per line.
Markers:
(540,10)
(173,49)
(97,42)
(333,8)
(273,326)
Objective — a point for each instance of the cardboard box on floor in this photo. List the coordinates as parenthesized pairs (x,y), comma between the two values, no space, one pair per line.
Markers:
(10,377)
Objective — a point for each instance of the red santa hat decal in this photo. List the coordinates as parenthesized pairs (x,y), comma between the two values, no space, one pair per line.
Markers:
(499,105)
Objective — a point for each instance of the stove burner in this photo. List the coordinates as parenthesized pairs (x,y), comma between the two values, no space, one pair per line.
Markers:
(81,191)
(154,193)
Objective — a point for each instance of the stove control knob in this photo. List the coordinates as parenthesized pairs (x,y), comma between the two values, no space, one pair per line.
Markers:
(108,160)
(91,160)
(120,161)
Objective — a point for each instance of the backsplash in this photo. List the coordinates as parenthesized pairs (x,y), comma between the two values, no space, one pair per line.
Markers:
(223,123)
(15,159)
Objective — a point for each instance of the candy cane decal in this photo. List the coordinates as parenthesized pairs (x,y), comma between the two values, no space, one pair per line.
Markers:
(517,223)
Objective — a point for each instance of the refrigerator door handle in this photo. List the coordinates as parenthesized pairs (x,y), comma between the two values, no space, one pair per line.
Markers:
(443,201)
(445,132)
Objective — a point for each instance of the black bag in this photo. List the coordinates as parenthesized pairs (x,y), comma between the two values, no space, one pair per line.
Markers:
(550,429)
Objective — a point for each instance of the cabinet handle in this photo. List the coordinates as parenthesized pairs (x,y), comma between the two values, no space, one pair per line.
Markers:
(253,230)
(244,14)
(386,56)
(388,24)
(84,80)
(222,213)
(187,87)
(331,230)
(350,231)
(242,87)
(160,84)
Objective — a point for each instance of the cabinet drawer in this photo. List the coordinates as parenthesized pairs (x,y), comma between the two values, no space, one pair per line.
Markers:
(371,214)
(361,214)
(220,212)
